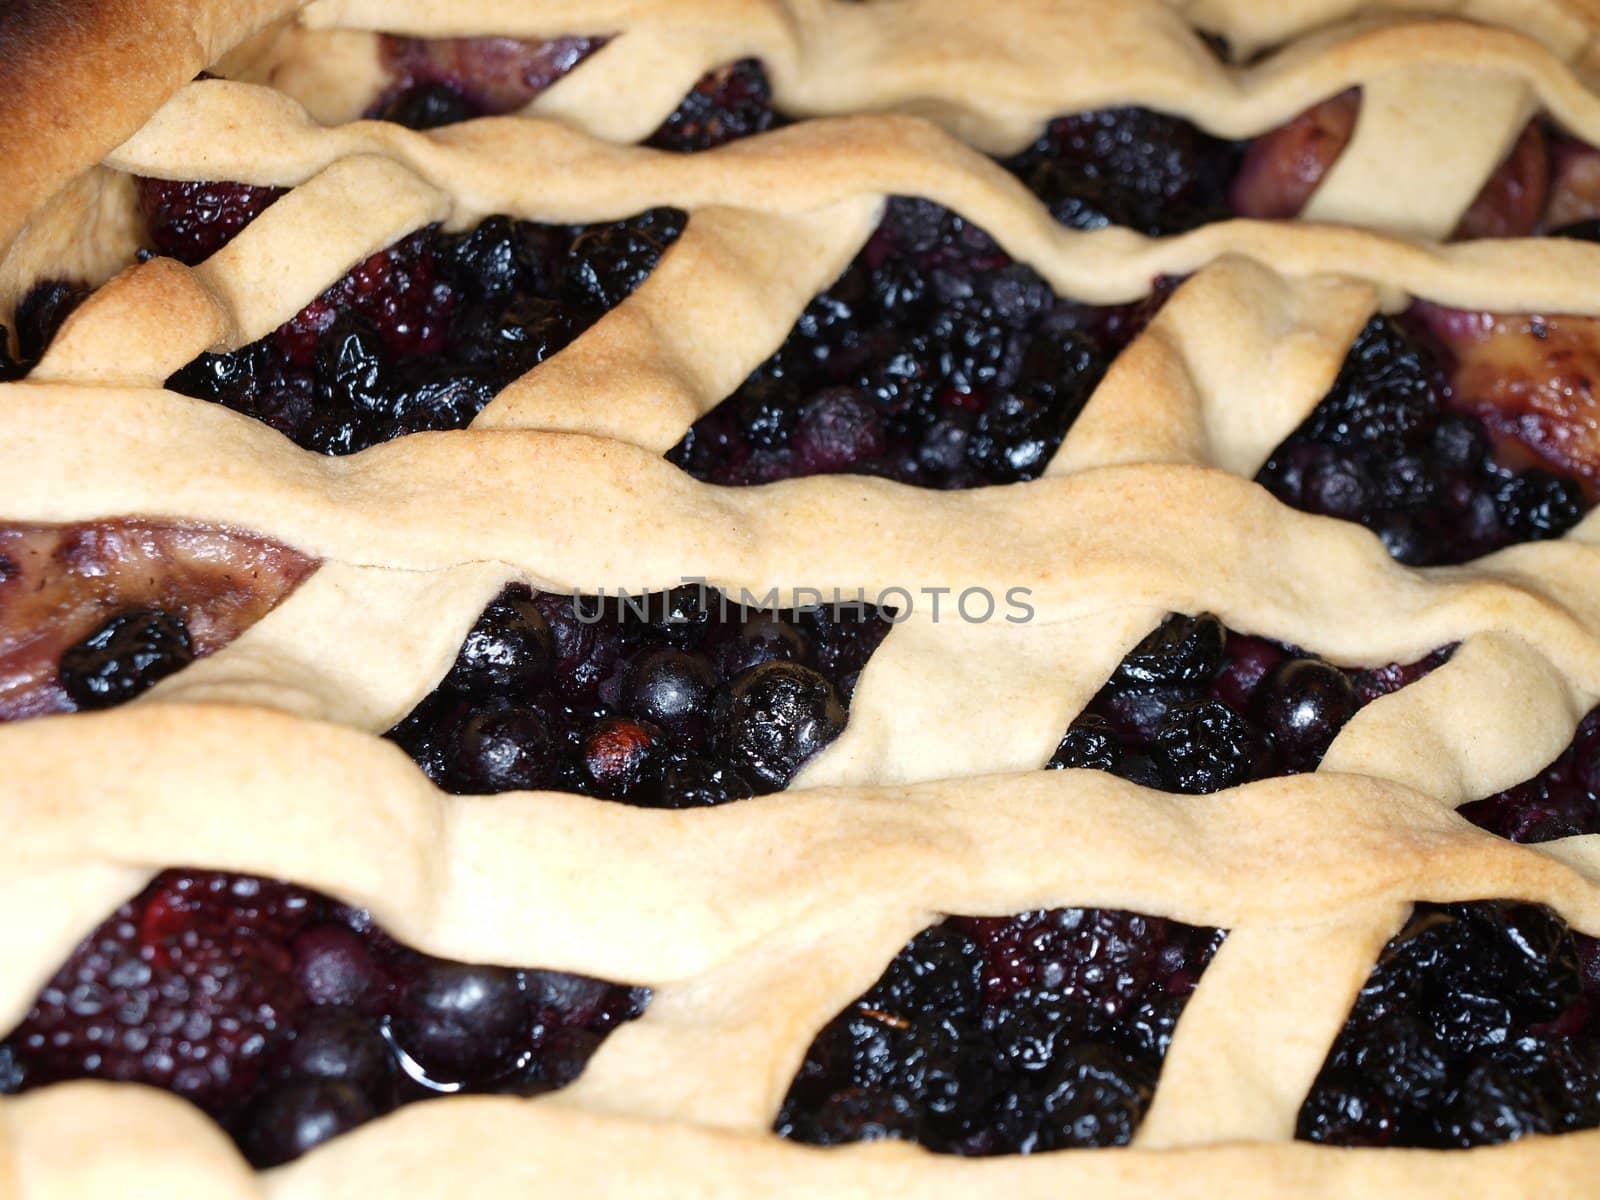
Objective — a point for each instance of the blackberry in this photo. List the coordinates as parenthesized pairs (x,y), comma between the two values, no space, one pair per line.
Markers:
(1385,449)
(1149,171)
(729,103)
(1475,1027)
(423,335)
(935,360)
(290,1018)
(1004,1035)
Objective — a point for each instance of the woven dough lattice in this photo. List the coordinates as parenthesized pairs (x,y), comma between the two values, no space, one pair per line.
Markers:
(756,922)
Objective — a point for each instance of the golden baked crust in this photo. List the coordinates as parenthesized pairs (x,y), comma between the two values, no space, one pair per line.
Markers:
(261,759)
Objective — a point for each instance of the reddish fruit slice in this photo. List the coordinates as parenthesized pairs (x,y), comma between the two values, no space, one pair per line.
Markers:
(1513,201)
(1532,381)
(1284,166)
(493,74)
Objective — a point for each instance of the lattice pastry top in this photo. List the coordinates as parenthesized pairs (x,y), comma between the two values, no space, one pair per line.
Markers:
(331,576)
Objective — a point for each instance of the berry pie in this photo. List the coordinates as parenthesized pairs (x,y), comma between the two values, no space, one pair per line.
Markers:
(800,597)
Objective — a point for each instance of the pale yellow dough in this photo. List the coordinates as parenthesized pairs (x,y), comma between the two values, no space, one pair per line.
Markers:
(758,921)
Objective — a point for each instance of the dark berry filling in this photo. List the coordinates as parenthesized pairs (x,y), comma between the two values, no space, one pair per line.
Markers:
(727,104)
(440,82)
(1146,170)
(1399,445)
(1195,708)
(422,335)
(935,360)
(126,655)
(1476,1026)
(92,615)
(190,220)
(291,1018)
(1005,1035)
(39,315)
(676,699)
(1563,800)
(445,80)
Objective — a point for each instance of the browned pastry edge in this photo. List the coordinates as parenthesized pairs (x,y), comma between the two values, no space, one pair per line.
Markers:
(81,76)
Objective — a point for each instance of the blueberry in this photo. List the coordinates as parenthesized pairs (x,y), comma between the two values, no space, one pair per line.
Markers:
(510,649)
(1204,746)
(301,1116)
(853,1115)
(682,613)
(427,106)
(1031,1024)
(1302,704)
(1091,1095)
(698,783)
(502,750)
(340,1044)
(494,261)
(620,755)
(428,394)
(607,262)
(837,430)
(1181,650)
(125,656)
(352,368)
(776,716)
(1090,743)
(462,1022)
(503,338)
(1014,439)
(1450,1043)
(763,637)
(940,970)
(669,687)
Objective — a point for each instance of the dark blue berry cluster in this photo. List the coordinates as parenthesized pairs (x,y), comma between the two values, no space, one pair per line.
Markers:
(1562,800)
(677,699)
(1196,708)
(1476,1026)
(422,335)
(1385,449)
(1007,1035)
(935,360)
(1133,167)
